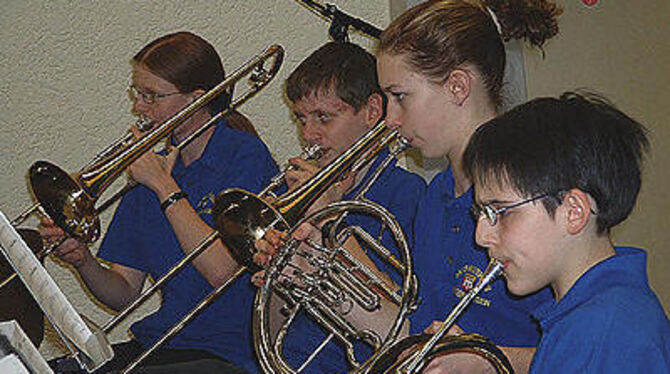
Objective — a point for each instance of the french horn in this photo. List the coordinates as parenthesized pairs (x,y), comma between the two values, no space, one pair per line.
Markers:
(338,284)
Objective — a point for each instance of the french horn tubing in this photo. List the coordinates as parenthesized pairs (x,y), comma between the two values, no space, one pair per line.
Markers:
(242,218)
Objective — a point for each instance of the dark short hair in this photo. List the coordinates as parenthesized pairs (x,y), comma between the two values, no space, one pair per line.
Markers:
(349,70)
(551,145)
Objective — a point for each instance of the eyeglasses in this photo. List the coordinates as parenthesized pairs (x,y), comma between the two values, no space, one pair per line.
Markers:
(492,213)
(148,97)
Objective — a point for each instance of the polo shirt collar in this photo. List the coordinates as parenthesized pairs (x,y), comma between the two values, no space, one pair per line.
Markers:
(623,268)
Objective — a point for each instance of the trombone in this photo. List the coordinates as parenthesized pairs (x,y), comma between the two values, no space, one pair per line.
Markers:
(70,199)
(241,217)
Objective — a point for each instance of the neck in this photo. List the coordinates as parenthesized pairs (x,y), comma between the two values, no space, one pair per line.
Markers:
(471,120)
(192,151)
(582,256)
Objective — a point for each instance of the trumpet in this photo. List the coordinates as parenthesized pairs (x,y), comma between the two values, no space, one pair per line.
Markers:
(419,350)
(70,199)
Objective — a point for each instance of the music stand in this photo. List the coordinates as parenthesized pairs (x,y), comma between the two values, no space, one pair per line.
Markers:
(87,343)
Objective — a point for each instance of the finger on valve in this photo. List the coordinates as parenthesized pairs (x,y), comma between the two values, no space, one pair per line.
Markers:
(258,278)
(267,246)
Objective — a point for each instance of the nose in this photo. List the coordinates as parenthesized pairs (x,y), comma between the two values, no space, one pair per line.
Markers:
(393,116)
(140,107)
(485,234)
(311,133)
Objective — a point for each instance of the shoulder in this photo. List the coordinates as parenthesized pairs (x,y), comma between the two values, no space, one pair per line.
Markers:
(406,180)
(398,187)
(241,148)
(244,141)
(622,313)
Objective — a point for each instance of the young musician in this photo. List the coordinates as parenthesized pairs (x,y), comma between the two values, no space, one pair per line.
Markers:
(336,98)
(169,214)
(552,177)
(441,64)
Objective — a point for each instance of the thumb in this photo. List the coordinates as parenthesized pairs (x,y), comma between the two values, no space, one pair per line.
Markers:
(171,157)
(347,183)
(136,131)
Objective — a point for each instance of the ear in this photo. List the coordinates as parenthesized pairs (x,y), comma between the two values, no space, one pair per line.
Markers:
(458,86)
(374,109)
(578,210)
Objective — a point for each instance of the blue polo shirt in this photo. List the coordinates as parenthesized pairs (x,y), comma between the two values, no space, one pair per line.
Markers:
(141,237)
(610,321)
(449,263)
(397,190)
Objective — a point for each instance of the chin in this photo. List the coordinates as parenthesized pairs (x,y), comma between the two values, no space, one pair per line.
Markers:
(518,288)
(513,285)
(430,153)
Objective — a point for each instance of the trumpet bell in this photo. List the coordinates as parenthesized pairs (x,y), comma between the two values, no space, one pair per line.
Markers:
(59,194)
(241,218)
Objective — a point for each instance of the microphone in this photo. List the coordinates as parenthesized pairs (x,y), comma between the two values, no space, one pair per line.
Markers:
(340,22)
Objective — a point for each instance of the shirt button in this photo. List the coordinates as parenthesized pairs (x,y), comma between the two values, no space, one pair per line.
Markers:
(450,260)
(455,229)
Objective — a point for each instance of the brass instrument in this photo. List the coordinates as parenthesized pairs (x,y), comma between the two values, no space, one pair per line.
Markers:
(70,199)
(417,351)
(310,153)
(242,218)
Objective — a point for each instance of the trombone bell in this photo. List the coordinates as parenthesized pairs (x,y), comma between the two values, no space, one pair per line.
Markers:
(70,206)
(242,218)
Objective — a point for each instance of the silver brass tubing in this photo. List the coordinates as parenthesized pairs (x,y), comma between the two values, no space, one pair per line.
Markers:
(311,152)
(162,280)
(493,270)
(186,319)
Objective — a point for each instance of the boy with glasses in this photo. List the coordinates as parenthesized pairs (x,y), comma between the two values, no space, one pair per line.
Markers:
(551,178)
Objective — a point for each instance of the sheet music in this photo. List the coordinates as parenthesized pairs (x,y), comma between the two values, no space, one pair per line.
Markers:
(22,346)
(50,298)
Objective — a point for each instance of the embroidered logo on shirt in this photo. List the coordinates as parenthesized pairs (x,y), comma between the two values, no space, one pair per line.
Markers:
(205,204)
(468,277)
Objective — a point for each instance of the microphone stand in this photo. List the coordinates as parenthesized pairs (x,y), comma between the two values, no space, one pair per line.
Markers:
(340,22)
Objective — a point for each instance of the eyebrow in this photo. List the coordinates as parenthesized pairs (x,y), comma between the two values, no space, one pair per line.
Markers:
(390,87)
(494,201)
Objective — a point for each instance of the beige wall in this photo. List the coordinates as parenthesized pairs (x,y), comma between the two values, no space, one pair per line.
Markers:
(621,49)
(64,70)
